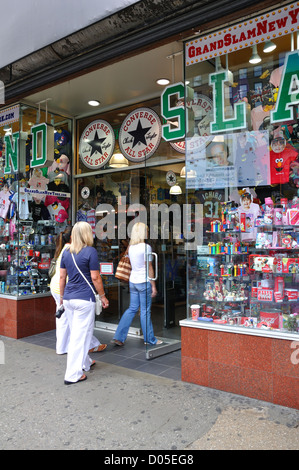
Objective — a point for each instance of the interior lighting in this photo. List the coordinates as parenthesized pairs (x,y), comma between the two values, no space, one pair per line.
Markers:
(175,190)
(94,103)
(255,58)
(118,161)
(163,81)
(269,47)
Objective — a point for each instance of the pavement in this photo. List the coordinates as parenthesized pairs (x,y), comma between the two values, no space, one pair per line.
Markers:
(119,409)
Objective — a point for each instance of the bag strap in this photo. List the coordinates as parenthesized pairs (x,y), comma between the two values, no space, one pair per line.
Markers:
(83,275)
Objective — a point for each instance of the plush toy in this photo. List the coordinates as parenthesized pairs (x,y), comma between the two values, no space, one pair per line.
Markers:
(294,173)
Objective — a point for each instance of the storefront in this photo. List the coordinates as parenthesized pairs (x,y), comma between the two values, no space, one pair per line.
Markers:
(211,162)
(36,149)
(242,156)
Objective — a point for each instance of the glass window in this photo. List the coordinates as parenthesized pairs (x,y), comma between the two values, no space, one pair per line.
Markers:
(35,173)
(245,166)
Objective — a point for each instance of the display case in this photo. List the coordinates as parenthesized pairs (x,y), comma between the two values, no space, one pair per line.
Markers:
(242,154)
(249,276)
(35,203)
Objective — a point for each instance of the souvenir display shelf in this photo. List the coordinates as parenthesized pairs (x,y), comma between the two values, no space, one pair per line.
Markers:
(25,257)
(249,283)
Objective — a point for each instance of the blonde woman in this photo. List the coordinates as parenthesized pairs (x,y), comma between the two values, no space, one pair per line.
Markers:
(78,299)
(141,290)
(62,326)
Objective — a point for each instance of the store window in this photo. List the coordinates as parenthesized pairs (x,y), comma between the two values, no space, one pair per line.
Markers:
(242,152)
(35,204)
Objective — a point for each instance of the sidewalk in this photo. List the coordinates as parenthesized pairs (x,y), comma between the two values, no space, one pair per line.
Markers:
(124,409)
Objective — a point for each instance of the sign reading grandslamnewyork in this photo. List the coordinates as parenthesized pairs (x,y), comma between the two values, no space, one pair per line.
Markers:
(269,26)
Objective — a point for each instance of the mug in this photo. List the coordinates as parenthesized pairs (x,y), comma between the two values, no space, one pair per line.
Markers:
(195,311)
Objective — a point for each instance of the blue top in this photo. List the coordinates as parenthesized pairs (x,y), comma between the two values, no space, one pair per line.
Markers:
(76,287)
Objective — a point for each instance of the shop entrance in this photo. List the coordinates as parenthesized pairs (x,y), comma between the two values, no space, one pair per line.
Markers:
(148,186)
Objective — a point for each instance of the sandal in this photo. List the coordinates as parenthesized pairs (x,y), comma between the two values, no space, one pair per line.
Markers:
(99,348)
(117,342)
(91,365)
(82,378)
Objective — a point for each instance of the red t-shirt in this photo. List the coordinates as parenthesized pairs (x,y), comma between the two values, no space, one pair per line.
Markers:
(280,164)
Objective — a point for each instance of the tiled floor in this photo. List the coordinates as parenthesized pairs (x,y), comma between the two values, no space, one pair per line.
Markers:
(131,356)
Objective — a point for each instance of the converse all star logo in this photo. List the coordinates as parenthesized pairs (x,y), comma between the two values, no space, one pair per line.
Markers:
(140,134)
(96,144)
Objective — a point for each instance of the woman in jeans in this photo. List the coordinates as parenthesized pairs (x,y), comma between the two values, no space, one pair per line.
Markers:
(79,300)
(141,290)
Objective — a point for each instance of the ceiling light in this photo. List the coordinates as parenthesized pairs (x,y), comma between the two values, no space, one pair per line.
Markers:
(163,81)
(175,190)
(190,173)
(94,103)
(269,47)
(255,58)
(7,130)
(118,161)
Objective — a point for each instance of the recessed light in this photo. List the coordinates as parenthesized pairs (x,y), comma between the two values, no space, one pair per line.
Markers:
(163,81)
(94,103)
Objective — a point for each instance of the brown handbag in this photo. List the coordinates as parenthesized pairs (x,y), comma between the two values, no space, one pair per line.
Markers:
(124,268)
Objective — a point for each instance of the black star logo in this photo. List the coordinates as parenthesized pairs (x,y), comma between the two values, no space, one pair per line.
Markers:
(139,134)
(96,144)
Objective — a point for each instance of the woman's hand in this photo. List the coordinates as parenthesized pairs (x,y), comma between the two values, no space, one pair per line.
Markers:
(105,302)
(154,291)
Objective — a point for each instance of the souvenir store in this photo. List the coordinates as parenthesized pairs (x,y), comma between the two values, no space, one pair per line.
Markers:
(210,158)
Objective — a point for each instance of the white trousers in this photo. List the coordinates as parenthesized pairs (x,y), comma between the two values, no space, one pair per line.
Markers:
(63,331)
(80,314)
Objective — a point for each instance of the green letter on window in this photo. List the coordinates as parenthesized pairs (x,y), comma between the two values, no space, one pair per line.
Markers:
(220,124)
(288,95)
(38,160)
(170,113)
(11,152)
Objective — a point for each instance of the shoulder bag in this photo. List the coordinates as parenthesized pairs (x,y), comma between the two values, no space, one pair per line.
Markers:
(99,305)
(52,269)
(124,268)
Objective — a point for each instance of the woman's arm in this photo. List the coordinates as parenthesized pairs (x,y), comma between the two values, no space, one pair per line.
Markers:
(98,283)
(151,273)
(62,283)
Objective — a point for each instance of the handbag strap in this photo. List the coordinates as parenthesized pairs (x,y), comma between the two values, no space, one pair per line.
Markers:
(83,275)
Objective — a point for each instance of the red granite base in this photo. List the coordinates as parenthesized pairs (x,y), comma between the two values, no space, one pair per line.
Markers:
(20,318)
(254,366)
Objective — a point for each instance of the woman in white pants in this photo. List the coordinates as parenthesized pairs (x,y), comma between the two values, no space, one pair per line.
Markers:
(78,299)
(62,325)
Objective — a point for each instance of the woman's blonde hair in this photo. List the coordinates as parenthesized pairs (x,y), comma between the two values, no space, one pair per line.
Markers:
(81,237)
(139,233)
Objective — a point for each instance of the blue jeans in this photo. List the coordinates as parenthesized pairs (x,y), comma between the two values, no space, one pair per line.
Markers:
(140,296)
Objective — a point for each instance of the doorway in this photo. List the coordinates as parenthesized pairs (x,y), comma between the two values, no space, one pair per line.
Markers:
(147,185)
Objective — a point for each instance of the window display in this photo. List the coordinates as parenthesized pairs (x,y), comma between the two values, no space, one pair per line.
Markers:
(245,174)
(34,199)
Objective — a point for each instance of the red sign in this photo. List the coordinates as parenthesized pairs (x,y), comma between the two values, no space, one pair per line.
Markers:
(253,31)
